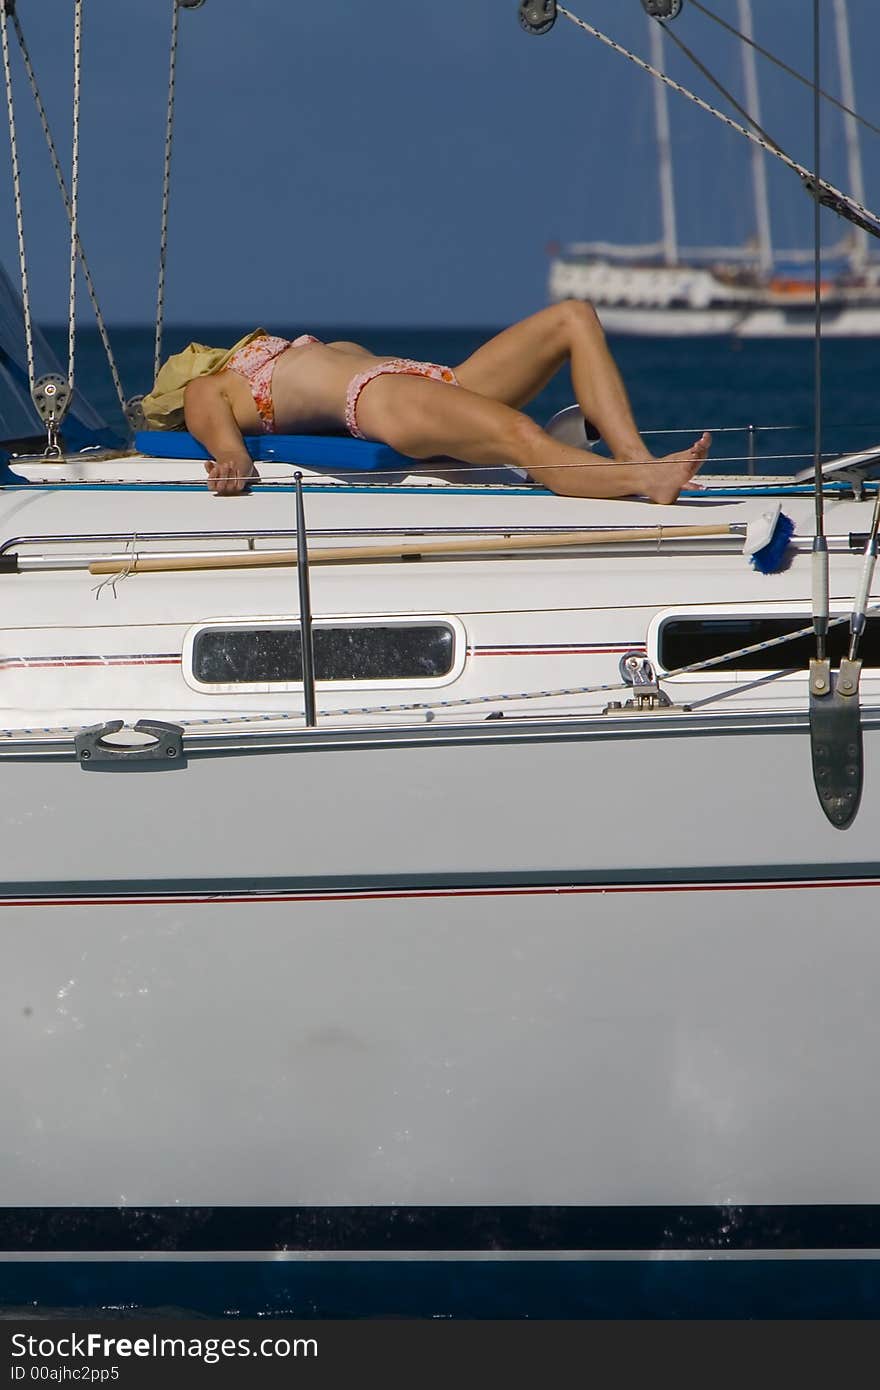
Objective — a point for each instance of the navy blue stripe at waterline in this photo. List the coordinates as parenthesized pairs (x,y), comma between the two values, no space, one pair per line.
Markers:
(423,1229)
(721,878)
(551,1289)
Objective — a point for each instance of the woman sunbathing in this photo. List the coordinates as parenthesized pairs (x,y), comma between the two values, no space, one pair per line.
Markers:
(471,413)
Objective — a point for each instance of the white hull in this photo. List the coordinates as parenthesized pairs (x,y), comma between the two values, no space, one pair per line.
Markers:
(539,992)
(499,1013)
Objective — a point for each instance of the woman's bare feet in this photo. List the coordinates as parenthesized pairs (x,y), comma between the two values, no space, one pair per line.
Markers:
(666,477)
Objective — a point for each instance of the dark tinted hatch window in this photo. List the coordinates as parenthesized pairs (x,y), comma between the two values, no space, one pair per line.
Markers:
(384,652)
(686,640)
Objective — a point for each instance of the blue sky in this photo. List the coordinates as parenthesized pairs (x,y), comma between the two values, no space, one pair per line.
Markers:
(393,162)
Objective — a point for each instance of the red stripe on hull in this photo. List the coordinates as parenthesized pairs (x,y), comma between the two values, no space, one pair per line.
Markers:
(381,895)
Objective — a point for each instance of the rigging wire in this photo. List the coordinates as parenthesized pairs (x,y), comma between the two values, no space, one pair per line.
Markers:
(857,620)
(16,189)
(792,72)
(74,191)
(166,187)
(710,77)
(62,187)
(829,196)
(820,543)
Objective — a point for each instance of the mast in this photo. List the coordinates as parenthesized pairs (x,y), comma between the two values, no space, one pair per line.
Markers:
(664,150)
(859,239)
(759,168)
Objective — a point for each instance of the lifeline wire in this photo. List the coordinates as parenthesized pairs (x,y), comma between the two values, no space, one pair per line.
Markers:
(407,468)
(282,716)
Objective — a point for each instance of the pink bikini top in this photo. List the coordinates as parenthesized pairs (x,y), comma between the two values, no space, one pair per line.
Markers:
(256,363)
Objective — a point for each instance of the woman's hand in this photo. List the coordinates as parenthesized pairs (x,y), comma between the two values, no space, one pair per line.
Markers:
(209,419)
(228,476)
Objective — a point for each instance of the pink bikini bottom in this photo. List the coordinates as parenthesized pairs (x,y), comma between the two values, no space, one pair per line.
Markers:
(404,366)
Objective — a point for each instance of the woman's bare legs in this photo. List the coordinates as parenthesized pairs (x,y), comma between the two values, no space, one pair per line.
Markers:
(426,419)
(516,364)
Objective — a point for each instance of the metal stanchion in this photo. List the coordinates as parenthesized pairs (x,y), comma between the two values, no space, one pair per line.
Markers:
(305,607)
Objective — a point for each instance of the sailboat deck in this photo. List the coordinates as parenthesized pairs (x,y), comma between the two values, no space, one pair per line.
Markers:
(128,468)
(535,632)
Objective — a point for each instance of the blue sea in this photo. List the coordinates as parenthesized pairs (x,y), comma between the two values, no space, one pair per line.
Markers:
(676,385)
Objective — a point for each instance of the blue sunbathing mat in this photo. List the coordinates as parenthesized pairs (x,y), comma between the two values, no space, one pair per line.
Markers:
(330,451)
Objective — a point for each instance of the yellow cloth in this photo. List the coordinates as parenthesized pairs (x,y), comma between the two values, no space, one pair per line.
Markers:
(163,407)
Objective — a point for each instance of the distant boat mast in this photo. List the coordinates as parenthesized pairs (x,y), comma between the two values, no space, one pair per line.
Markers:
(664,149)
(759,168)
(664,146)
(858,241)
(859,252)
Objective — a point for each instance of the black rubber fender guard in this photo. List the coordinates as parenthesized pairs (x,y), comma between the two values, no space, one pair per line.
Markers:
(94,746)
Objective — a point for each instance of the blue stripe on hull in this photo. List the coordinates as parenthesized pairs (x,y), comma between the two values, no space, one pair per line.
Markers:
(575,1289)
(417,1231)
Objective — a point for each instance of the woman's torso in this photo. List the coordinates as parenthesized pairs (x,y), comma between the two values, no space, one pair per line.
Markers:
(309,383)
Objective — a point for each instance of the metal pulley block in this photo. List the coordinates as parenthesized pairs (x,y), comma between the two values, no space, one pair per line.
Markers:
(537,16)
(134,413)
(51,397)
(662,9)
(636,671)
(836,739)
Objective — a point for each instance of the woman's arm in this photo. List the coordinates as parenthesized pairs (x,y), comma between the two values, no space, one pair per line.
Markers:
(210,420)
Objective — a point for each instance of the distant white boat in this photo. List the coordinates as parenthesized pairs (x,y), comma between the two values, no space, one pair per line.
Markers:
(638,292)
(745,291)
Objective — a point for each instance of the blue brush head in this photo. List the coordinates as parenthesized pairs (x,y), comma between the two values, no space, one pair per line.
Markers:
(769,559)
